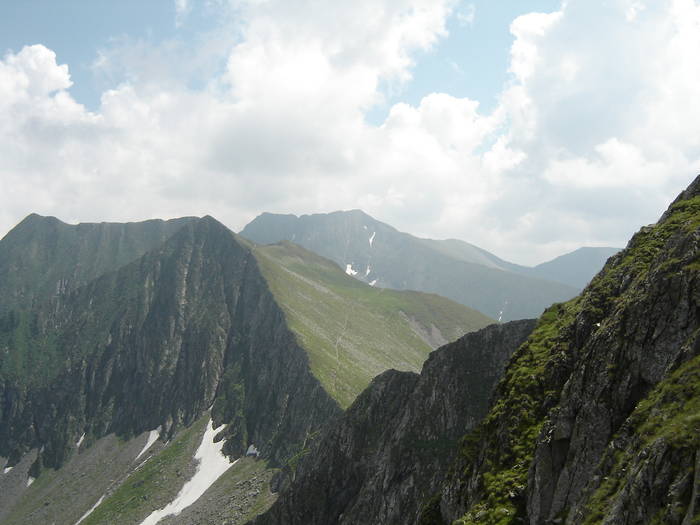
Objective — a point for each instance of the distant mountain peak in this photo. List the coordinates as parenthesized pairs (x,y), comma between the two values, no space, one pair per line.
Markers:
(378,254)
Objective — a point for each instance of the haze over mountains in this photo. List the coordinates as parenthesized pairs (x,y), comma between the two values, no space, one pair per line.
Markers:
(379,254)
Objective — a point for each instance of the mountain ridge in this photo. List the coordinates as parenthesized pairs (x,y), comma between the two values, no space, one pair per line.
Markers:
(603,360)
(194,323)
(379,254)
(388,451)
(595,419)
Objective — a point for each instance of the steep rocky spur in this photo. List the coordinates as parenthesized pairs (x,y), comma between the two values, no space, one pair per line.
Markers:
(597,417)
(391,449)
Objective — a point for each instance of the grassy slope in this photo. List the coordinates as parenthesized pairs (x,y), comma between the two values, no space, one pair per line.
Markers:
(158,481)
(64,495)
(518,414)
(239,495)
(352,331)
(153,485)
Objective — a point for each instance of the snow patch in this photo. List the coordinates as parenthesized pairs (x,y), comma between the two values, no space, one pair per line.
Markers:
(369,269)
(365,227)
(371,239)
(7,469)
(212,464)
(151,439)
(373,283)
(349,270)
(91,510)
(252,451)
(30,480)
(500,314)
(80,441)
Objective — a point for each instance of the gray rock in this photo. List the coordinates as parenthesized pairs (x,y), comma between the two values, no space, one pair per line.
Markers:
(390,451)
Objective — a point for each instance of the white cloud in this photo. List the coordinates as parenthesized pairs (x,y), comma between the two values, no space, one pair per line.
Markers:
(592,136)
(633,9)
(182,11)
(602,109)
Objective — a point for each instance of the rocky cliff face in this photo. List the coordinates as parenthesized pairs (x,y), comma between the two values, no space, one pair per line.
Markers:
(157,342)
(390,450)
(43,257)
(596,419)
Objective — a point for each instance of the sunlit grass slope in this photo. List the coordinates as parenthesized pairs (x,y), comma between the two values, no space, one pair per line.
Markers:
(352,331)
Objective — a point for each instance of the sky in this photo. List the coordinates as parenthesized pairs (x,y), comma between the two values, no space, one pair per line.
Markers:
(527,127)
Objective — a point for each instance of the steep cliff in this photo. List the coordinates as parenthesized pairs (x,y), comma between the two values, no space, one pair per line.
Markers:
(390,450)
(597,417)
(155,343)
(43,257)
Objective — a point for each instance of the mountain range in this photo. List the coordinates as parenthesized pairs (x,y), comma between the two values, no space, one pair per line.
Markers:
(125,329)
(595,418)
(382,256)
(174,372)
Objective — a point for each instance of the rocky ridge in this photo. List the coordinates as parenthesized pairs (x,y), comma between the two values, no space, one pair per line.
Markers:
(201,323)
(596,419)
(156,343)
(390,450)
(43,257)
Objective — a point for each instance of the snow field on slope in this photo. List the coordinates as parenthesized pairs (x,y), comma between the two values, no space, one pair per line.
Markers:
(212,464)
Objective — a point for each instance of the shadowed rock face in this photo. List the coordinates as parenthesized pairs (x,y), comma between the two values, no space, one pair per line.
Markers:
(390,450)
(595,419)
(152,344)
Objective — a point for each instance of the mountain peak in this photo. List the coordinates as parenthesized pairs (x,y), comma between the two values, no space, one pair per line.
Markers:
(693,190)
(379,255)
(34,219)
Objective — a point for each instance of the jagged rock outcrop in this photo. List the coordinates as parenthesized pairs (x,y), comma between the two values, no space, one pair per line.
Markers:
(156,343)
(597,417)
(390,450)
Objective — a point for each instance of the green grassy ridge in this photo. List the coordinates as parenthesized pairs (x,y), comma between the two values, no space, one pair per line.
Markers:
(669,414)
(398,260)
(352,331)
(506,440)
